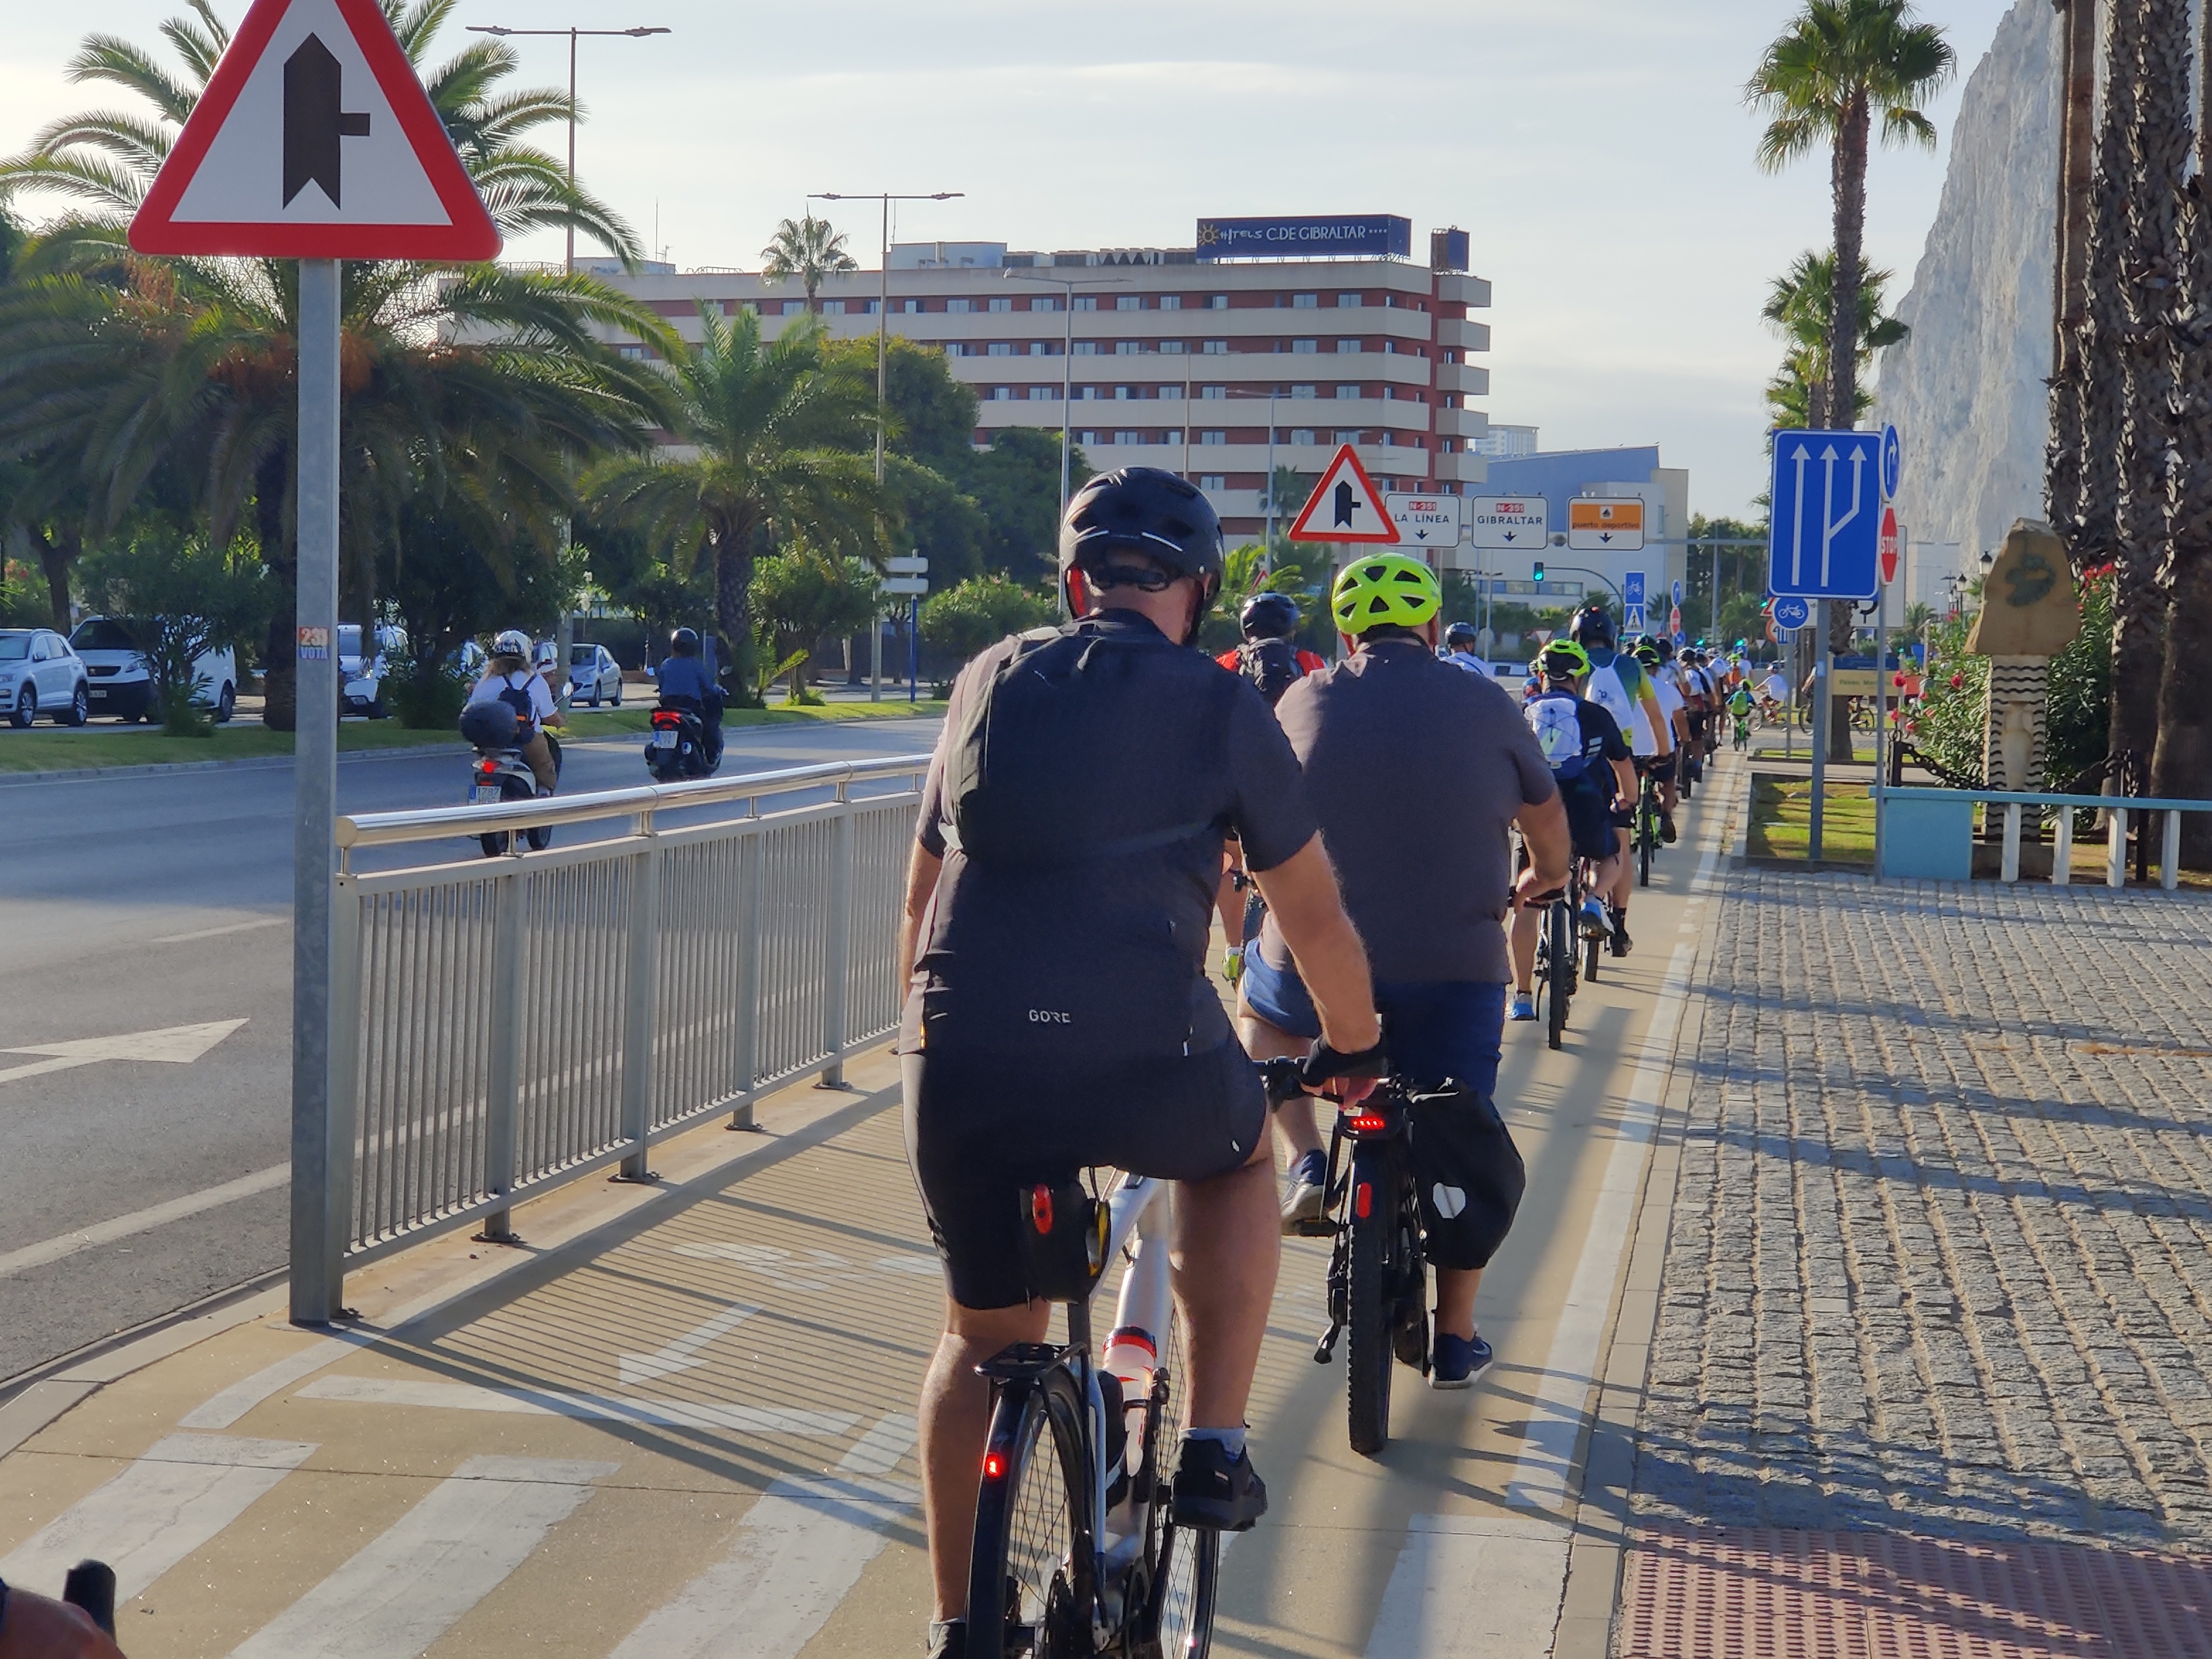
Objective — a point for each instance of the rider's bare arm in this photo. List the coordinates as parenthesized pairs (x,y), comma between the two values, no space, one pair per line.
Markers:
(1543,827)
(1623,782)
(1301,893)
(922,873)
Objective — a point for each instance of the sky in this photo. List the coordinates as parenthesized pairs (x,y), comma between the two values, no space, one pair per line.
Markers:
(1598,152)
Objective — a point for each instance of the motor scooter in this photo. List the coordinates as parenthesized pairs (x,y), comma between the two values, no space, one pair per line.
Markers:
(679,747)
(499,773)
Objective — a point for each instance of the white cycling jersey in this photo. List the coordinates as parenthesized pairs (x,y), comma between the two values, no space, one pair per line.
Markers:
(1617,686)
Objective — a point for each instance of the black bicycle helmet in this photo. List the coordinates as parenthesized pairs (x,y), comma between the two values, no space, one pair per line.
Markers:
(1461,636)
(1662,644)
(1143,509)
(1592,627)
(1269,616)
(683,643)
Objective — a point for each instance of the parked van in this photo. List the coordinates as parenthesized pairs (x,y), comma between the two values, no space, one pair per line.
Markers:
(118,686)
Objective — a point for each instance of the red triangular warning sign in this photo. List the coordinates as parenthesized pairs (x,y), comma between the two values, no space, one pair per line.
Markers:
(1345,507)
(314,141)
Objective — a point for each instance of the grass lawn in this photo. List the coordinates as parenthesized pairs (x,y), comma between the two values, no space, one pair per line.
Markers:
(56,749)
(1780,818)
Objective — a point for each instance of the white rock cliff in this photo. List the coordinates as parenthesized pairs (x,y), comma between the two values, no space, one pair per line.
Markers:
(1966,391)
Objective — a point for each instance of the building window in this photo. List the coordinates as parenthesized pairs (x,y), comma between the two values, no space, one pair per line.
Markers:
(1129,303)
(1347,345)
(1451,402)
(1389,439)
(1042,349)
(1044,302)
(1128,437)
(1172,348)
(1451,356)
(1174,391)
(1001,302)
(1001,394)
(954,349)
(1213,392)
(1213,481)
(911,308)
(870,307)
(1389,393)
(1305,345)
(1083,348)
(1389,348)
(1302,392)
(1347,391)
(1445,446)
(1086,302)
(791,307)
(1214,437)
(833,307)
(1170,302)
(1086,438)
(1348,301)
(1215,348)
(1305,301)
(1173,435)
(1217,302)
(1302,435)
(1127,348)
(1086,392)
(1348,434)
(1040,394)
(999,348)
(633,353)
(1122,393)
(960,307)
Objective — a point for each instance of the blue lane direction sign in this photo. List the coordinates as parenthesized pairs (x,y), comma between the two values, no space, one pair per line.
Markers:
(1678,590)
(1791,612)
(1825,530)
(1892,461)
(1632,588)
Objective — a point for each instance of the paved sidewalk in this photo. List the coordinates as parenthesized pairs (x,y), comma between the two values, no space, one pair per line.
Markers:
(1932,1369)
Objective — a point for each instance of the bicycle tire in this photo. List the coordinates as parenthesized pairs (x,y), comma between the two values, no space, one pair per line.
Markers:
(1647,832)
(1592,950)
(1563,952)
(1179,1621)
(1370,1316)
(1030,1573)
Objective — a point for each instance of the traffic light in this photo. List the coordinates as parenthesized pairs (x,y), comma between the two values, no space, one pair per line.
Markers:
(1539,570)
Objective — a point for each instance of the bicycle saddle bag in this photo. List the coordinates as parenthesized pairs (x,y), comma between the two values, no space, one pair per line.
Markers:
(1063,1233)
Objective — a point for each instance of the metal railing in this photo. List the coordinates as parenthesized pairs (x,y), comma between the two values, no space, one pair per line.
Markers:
(2117,808)
(502,1025)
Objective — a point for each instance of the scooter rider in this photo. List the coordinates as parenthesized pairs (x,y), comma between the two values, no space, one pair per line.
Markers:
(682,676)
(510,678)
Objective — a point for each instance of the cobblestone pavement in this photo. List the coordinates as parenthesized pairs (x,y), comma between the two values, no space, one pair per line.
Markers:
(1939,1259)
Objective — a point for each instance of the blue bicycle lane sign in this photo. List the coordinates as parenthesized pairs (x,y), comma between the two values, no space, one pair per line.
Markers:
(1825,534)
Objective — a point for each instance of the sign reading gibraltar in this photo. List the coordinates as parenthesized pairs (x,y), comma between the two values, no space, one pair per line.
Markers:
(1377,236)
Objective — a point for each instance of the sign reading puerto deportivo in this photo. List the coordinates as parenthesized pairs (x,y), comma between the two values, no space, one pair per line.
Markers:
(1377,236)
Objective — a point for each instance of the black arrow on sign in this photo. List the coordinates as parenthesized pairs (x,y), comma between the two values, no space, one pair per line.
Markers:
(313,122)
(1346,500)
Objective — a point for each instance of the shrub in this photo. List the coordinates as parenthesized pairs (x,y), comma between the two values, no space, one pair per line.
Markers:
(980,612)
(426,695)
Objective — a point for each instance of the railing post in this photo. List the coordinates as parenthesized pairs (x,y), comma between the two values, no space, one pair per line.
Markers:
(838,958)
(503,1070)
(2062,848)
(745,1057)
(345,1070)
(2009,869)
(2169,851)
(2116,847)
(640,1008)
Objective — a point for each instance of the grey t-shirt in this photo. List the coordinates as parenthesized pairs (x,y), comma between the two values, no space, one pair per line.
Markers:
(1415,769)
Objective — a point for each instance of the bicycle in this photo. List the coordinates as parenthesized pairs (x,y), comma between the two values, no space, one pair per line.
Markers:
(1647,827)
(1740,737)
(1556,975)
(1076,1549)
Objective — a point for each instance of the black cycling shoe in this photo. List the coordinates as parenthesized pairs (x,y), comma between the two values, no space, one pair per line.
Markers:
(1620,940)
(1666,830)
(949,1640)
(1212,1491)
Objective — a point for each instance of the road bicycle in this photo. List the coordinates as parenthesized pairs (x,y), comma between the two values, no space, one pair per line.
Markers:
(1647,827)
(1077,1550)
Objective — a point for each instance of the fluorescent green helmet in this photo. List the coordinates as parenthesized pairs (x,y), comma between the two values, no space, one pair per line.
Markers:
(1385,587)
(1565,659)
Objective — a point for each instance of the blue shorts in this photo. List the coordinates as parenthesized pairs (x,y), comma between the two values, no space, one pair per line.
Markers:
(1437,1029)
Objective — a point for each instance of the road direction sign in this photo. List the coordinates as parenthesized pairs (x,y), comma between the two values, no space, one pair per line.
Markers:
(1345,507)
(1508,521)
(1596,524)
(1425,520)
(1632,588)
(1632,622)
(912,565)
(1892,461)
(1892,545)
(1792,612)
(905,585)
(314,141)
(1827,516)
(1678,590)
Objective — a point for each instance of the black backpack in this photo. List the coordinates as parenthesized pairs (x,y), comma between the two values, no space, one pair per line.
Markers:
(1270,665)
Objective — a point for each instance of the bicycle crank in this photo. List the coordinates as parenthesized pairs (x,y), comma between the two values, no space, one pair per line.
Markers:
(1325,1350)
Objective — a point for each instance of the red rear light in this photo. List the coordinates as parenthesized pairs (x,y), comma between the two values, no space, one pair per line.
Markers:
(488,767)
(1363,1199)
(994,1466)
(1369,1123)
(1041,1210)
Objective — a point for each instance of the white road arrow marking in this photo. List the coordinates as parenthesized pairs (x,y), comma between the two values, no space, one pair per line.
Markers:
(1797,529)
(684,1353)
(177,1045)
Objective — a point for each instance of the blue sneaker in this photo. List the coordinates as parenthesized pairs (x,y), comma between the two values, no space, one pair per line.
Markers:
(1523,1008)
(1594,924)
(1456,1360)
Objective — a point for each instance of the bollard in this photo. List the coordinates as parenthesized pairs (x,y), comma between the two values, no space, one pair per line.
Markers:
(2062,848)
(2169,851)
(2116,849)
(2010,869)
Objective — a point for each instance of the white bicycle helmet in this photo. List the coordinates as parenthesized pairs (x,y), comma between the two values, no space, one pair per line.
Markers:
(512,642)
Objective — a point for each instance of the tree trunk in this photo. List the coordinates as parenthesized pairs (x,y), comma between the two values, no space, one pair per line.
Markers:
(733,603)
(2104,329)
(57,553)
(272,530)
(1848,183)
(2069,286)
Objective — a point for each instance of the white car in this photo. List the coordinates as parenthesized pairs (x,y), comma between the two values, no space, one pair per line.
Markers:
(593,673)
(360,680)
(39,674)
(123,690)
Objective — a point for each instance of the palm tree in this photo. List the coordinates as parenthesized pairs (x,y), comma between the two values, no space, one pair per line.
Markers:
(807,248)
(1820,81)
(772,443)
(2069,306)
(1798,308)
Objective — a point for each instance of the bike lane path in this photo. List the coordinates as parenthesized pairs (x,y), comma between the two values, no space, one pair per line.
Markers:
(677,1421)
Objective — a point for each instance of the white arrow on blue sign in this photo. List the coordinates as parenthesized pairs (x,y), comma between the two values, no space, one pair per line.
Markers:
(1892,461)
(1825,529)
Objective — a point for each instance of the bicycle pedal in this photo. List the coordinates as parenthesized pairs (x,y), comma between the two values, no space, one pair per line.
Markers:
(1326,1350)
(1315,1227)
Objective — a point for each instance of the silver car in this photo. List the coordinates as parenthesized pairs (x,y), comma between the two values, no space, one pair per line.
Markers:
(593,674)
(40,675)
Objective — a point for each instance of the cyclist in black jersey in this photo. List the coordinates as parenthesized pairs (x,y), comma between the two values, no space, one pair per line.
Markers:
(1059,1014)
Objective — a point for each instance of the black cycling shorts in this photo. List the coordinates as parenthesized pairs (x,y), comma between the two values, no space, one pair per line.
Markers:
(1659,768)
(980,1129)
(1589,824)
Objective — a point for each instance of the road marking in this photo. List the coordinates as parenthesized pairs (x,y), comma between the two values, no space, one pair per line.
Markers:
(217,933)
(177,1045)
(398,1596)
(224,1408)
(64,1245)
(156,1512)
(796,1555)
(559,1402)
(684,1353)
(1432,1608)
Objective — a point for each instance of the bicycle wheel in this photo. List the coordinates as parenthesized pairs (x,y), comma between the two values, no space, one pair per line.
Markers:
(1647,836)
(1179,1624)
(1563,952)
(1369,1313)
(1030,1572)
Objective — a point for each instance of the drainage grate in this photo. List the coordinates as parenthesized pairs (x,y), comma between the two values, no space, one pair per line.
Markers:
(1774,1595)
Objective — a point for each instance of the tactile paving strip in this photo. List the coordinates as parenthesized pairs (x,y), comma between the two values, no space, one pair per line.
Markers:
(1775,1594)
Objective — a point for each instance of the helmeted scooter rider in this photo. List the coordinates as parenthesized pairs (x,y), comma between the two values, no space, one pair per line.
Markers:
(510,678)
(684,678)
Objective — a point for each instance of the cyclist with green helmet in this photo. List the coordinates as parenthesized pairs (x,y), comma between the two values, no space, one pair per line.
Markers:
(1416,771)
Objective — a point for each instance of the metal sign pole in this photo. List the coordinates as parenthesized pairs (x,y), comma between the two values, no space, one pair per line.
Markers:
(316,1212)
(1820,724)
(1880,721)
(913,647)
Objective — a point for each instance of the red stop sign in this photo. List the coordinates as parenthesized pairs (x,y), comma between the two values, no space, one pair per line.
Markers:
(1889,547)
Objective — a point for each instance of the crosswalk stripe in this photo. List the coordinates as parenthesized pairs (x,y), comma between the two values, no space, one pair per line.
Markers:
(797,1554)
(399,1596)
(224,1408)
(685,1354)
(559,1402)
(1466,1587)
(153,1514)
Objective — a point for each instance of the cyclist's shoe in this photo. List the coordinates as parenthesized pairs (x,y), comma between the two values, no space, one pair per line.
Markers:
(1456,1360)
(1594,925)
(1212,1490)
(1524,1005)
(948,1639)
(1666,828)
(1621,943)
(1309,1185)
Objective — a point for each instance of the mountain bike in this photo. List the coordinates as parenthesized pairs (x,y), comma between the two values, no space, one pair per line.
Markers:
(1555,954)
(1647,827)
(1076,1550)
(1740,738)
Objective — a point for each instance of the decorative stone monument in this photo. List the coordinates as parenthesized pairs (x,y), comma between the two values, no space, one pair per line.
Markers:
(2030,613)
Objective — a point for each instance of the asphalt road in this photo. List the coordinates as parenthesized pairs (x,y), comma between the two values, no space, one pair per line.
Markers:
(140,903)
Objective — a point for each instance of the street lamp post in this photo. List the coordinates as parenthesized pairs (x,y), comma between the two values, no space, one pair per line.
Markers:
(883,365)
(568,258)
